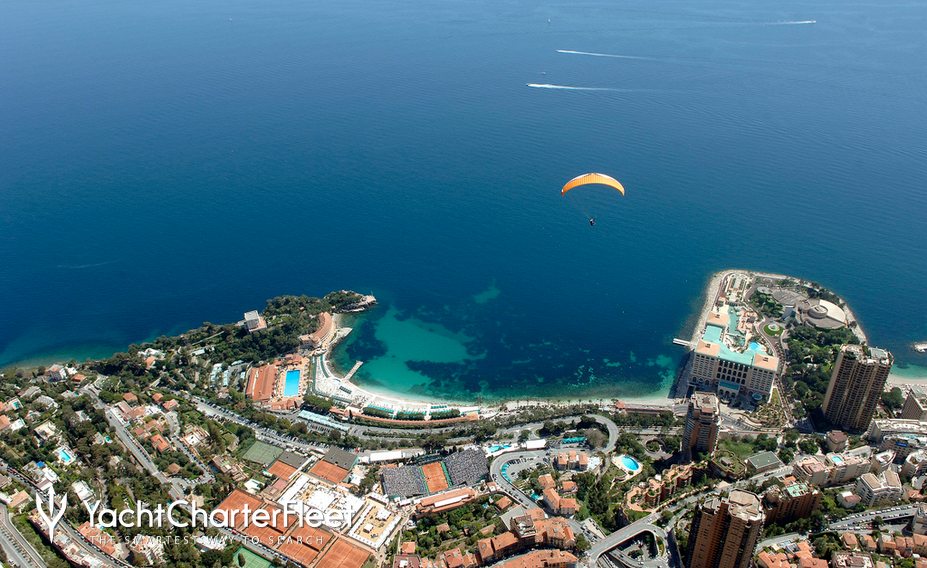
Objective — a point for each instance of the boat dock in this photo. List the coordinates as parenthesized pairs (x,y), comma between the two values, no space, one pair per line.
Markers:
(352,371)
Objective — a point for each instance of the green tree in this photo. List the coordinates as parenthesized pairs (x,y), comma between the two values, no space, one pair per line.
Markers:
(808,446)
(893,399)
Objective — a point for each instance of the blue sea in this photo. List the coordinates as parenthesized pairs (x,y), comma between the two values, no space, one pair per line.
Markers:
(168,163)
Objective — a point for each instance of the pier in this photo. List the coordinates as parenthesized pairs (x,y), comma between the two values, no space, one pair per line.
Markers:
(683,342)
(353,370)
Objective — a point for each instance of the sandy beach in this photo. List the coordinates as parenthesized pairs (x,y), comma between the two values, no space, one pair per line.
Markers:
(908,376)
(711,295)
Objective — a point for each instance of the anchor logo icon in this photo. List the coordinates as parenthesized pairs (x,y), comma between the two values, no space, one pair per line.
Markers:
(54,513)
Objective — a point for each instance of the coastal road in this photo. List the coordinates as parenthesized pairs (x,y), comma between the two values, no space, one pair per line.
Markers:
(512,463)
(777,541)
(70,533)
(864,520)
(176,487)
(206,476)
(17,549)
(612,429)
(515,462)
(622,535)
(261,433)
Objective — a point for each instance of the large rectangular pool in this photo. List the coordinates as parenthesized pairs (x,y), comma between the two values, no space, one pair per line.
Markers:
(291,386)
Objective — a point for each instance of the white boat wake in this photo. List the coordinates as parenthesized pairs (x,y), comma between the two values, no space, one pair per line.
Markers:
(577,88)
(571,88)
(793,23)
(612,55)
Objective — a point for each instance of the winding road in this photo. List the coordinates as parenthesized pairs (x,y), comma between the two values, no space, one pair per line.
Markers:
(17,549)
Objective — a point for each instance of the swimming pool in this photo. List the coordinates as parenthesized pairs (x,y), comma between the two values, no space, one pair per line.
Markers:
(629,463)
(291,386)
(65,456)
(757,347)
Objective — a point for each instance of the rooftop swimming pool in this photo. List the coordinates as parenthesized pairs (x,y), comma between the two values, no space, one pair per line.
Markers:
(629,463)
(291,386)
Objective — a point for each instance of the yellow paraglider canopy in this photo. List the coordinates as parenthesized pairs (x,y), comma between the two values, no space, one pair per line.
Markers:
(592,178)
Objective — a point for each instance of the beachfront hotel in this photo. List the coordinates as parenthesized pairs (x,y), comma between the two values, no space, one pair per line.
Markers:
(322,337)
(279,385)
(724,361)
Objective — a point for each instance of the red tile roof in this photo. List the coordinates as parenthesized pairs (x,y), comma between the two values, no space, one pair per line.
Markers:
(261,382)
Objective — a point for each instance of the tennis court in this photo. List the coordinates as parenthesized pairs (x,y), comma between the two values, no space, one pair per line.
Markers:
(311,536)
(262,453)
(252,560)
(281,470)
(298,552)
(343,555)
(328,471)
(266,535)
(236,502)
(435,478)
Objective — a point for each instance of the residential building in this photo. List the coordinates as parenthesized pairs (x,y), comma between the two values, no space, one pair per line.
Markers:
(661,487)
(147,550)
(254,321)
(848,499)
(842,559)
(722,364)
(456,558)
(915,405)
(919,523)
(572,459)
(882,428)
(856,386)
(794,500)
(19,500)
(559,505)
(902,436)
(541,559)
(914,465)
(884,488)
(881,461)
(703,421)
(832,469)
(836,441)
(725,531)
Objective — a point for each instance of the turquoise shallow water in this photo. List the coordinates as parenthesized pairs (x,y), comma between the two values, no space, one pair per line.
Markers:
(168,163)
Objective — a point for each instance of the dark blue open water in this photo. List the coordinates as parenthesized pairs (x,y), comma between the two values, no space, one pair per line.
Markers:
(166,163)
